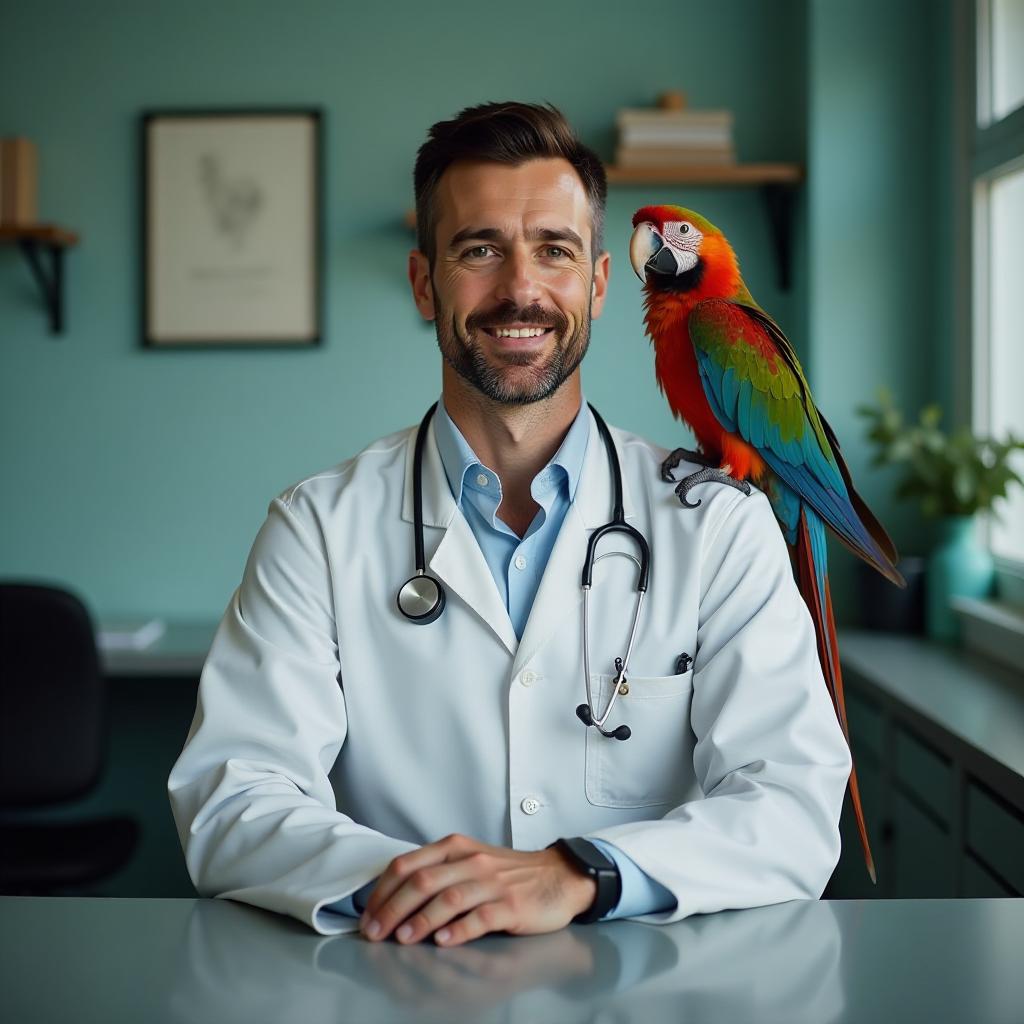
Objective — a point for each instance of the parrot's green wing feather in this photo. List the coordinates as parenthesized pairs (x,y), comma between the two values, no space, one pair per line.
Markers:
(756,388)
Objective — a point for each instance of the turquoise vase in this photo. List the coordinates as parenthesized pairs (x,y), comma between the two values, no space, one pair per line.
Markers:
(959,567)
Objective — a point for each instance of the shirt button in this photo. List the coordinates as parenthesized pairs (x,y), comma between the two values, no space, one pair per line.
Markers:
(481,479)
(520,562)
(530,805)
(528,678)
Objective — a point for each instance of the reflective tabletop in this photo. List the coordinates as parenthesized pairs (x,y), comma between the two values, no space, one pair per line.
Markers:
(83,960)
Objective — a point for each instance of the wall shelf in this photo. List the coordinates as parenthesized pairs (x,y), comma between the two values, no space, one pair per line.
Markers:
(736,175)
(33,240)
(777,182)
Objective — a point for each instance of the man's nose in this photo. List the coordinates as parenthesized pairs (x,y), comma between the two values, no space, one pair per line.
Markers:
(519,280)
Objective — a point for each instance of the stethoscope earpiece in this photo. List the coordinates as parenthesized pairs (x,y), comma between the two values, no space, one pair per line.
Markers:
(583,713)
(422,598)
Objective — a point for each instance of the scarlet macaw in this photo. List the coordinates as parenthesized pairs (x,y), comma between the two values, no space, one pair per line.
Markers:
(730,373)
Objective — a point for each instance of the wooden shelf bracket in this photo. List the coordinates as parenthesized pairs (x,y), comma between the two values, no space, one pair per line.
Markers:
(51,283)
(778,201)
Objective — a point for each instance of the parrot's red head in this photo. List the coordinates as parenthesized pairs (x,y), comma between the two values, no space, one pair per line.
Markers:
(676,251)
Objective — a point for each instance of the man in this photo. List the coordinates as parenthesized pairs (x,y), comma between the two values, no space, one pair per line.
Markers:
(454,752)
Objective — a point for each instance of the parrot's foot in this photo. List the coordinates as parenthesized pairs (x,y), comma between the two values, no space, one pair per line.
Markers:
(677,456)
(704,476)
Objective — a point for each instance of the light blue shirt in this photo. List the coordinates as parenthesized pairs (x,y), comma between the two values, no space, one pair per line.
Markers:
(517,565)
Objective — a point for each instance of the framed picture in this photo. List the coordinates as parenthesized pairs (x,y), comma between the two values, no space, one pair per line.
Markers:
(232,234)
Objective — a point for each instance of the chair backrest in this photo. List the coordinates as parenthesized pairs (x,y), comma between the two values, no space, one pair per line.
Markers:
(52,696)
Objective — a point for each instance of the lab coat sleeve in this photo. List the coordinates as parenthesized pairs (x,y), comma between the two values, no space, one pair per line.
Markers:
(250,792)
(640,893)
(769,754)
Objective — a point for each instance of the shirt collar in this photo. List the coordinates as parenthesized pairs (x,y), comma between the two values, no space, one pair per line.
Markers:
(459,459)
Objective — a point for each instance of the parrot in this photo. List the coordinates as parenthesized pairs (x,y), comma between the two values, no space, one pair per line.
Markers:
(729,372)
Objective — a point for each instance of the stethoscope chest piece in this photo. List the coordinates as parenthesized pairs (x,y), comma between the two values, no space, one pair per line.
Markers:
(421,599)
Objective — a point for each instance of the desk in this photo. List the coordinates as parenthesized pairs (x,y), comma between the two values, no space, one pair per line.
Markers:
(180,652)
(213,960)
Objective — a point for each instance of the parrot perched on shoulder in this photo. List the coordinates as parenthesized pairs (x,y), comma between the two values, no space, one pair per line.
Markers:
(730,373)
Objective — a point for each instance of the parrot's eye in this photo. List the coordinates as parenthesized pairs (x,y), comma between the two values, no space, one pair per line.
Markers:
(684,229)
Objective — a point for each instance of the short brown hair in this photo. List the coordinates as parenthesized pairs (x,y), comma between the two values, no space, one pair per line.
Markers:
(506,133)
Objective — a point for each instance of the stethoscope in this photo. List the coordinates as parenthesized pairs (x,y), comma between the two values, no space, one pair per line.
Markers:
(422,598)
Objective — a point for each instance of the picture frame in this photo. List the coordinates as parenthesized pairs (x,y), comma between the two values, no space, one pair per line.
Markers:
(232,228)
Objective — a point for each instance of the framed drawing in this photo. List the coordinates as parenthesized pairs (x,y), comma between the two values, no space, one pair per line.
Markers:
(232,236)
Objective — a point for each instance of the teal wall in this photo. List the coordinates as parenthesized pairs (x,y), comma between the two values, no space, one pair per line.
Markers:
(879,232)
(141,477)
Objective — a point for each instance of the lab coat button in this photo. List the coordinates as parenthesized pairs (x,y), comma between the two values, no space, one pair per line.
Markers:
(528,678)
(530,805)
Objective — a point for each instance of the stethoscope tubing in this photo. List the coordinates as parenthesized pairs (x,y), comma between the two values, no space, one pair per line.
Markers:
(421,599)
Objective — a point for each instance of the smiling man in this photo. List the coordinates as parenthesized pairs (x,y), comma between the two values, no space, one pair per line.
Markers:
(358,761)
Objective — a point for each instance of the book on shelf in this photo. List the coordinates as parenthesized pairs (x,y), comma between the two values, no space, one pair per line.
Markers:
(674,156)
(635,117)
(703,127)
(129,635)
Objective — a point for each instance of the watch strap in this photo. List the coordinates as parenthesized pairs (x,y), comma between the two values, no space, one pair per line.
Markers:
(598,866)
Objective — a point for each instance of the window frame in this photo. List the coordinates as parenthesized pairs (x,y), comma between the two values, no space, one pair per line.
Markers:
(994,148)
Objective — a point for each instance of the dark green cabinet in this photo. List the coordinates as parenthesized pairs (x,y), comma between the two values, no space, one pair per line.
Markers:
(944,820)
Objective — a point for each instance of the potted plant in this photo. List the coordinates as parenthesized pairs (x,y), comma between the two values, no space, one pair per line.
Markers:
(955,477)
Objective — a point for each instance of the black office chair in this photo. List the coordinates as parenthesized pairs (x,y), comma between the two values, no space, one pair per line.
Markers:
(52,743)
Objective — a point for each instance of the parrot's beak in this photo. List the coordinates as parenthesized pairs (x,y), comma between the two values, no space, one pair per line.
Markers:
(644,249)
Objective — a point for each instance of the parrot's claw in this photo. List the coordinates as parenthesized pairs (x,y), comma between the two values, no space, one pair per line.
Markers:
(704,476)
(677,456)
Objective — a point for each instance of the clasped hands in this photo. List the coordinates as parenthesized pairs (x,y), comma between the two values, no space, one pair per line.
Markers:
(458,889)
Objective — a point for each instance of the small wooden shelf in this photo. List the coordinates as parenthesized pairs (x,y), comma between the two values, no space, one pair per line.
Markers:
(48,233)
(31,239)
(701,174)
(778,184)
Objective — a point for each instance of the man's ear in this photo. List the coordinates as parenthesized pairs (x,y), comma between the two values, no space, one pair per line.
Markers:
(421,284)
(599,284)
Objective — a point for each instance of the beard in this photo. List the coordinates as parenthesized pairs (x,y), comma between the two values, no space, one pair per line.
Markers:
(512,378)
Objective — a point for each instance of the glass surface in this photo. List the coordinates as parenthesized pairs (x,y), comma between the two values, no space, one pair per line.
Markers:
(798,962)
(1006,24)
(1006,340)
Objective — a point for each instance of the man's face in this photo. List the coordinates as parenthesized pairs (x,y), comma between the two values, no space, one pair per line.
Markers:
(513,252)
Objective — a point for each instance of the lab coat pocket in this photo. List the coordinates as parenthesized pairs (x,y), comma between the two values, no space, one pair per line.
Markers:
(653,766)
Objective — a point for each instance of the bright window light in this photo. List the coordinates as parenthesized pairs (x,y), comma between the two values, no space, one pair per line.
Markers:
(1007,61)
(1006,344)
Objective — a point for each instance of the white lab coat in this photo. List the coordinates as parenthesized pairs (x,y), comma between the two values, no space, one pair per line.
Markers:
(331,734)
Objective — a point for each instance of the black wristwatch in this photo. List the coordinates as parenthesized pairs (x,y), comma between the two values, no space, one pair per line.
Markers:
(601,869)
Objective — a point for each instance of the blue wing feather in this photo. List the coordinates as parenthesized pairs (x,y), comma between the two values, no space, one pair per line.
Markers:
(799,462)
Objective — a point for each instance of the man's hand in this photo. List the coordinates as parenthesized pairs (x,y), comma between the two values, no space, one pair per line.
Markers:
(488,888)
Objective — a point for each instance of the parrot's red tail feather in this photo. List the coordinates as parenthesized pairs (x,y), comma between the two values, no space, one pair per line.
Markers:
(828,654)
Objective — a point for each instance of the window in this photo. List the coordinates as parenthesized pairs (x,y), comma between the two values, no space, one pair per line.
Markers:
(997,345)
(1005,377)
(1002,89)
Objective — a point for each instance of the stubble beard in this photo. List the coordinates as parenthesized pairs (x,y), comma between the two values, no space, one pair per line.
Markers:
(499,382)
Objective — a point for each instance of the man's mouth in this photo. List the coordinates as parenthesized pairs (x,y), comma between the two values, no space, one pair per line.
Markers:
(513,333)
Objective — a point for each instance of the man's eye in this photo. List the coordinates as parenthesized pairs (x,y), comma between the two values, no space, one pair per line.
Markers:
(477,249)
(558,250)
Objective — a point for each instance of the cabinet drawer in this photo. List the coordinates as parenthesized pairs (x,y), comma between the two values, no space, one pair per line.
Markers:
(924,772)
(995,831)
(978,883)
(866,725)
(922,857)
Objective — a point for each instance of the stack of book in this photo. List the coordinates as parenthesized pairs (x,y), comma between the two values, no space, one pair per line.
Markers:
(674,138)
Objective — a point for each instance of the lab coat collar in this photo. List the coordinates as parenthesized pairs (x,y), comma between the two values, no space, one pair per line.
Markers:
(593,497)
(459,563)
